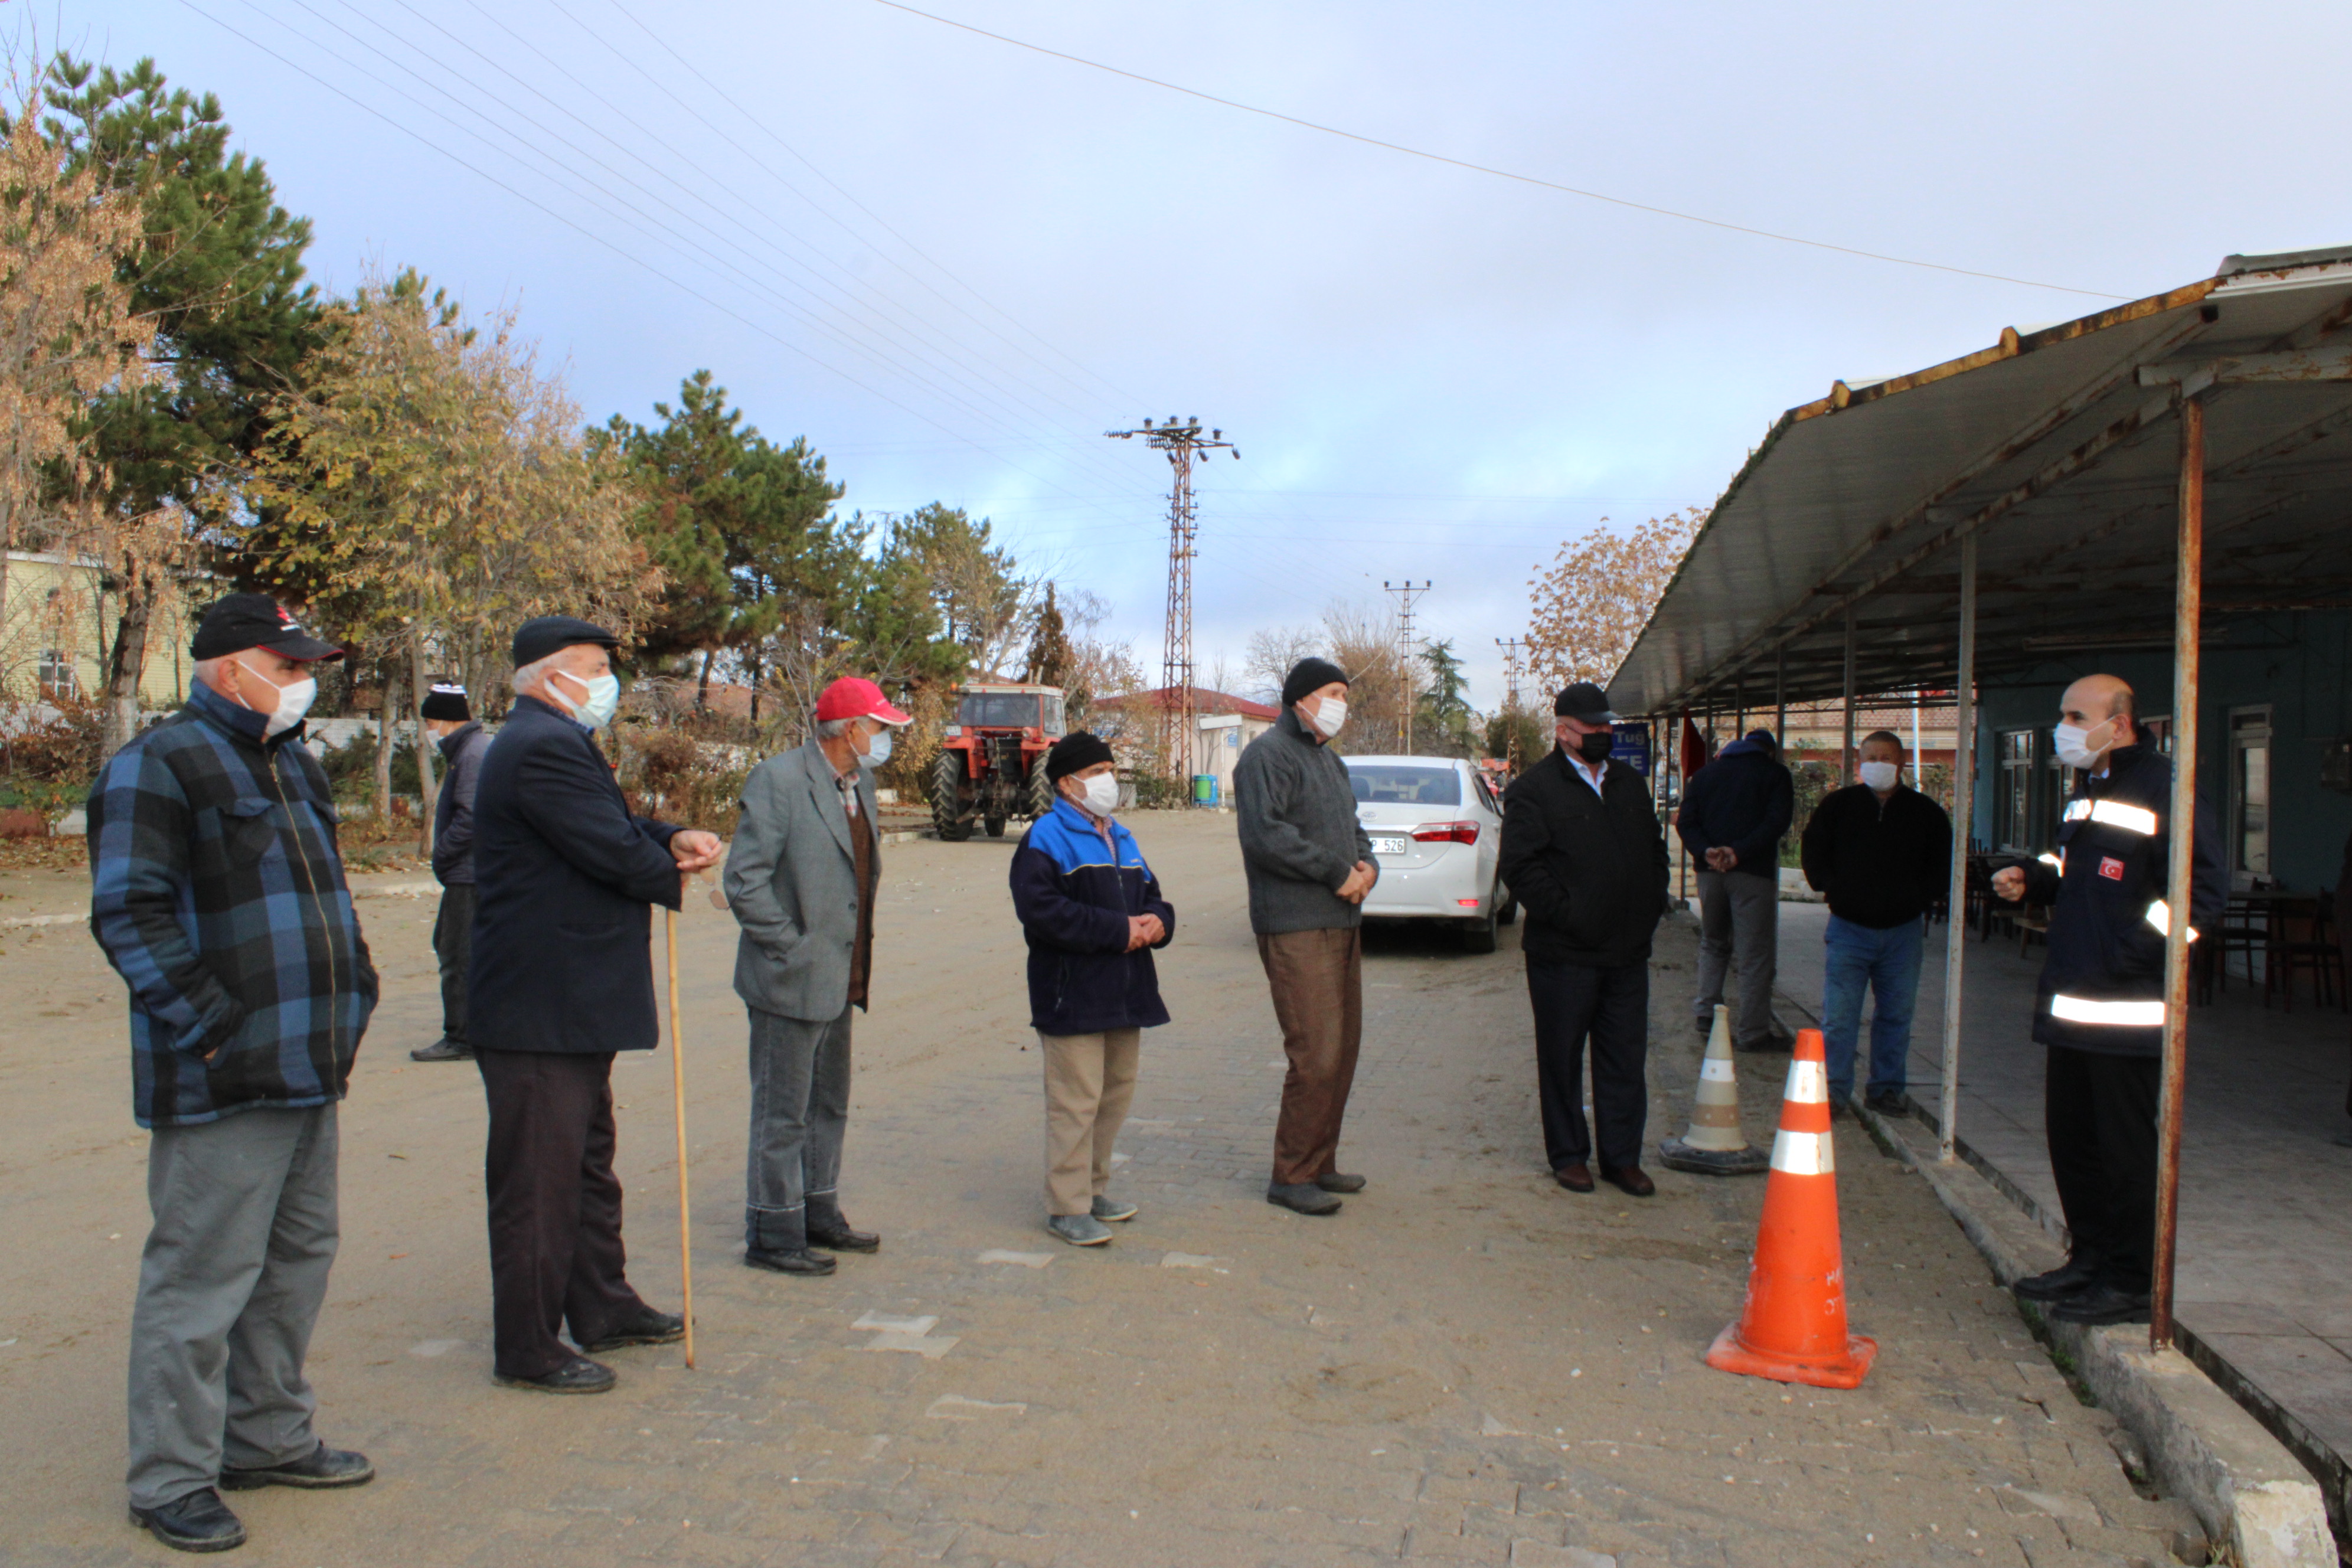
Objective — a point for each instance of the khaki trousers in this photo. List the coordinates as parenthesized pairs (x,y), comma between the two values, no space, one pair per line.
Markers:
(1090,1084)
(1317,981)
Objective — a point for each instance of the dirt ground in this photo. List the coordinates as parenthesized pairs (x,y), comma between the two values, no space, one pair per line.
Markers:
(1466,1365)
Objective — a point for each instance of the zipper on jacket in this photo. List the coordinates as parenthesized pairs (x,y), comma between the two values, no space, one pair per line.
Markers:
(311,881)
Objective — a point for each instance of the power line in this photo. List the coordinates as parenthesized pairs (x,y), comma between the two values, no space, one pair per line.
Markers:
(1487,169)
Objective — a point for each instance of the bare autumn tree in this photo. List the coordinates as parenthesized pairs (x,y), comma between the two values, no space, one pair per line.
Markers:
(437,486)
(1587,612)
(69,333)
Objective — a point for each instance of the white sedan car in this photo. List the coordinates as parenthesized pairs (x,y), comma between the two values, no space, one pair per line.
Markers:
(1437,828)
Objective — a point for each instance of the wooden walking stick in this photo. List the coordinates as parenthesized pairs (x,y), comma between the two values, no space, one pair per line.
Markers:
(677,1086)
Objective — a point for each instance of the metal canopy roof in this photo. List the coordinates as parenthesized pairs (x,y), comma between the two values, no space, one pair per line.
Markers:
(2059,451)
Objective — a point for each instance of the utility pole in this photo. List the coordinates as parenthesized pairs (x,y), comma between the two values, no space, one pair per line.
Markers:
(1185,443)
(1406,592)
(1510,647)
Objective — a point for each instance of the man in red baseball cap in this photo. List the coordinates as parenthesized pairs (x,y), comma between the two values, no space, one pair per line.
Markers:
(801,879)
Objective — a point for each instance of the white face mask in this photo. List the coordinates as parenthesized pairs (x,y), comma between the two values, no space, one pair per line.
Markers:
(1881,776)
(1330,713)
(293,701)
(877,751)
(1102,795)
(603,699)
(2072,742)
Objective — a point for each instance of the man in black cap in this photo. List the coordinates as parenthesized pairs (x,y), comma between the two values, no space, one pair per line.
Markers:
(1309,864)
(217,893)
(1583,852)
(450,718)
(1734,814)
(566,876)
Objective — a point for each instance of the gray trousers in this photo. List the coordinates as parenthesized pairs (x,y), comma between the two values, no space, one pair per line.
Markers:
(800,1114)
(229,1285)
(1740,926)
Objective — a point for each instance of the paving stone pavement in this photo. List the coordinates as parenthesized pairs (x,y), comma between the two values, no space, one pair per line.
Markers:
(1467,1364)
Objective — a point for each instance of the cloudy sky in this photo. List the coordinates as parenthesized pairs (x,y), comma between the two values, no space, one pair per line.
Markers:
(952,262)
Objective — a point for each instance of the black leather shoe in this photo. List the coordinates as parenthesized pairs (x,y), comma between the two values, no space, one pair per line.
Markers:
(2102,1304)
(802,1261)
(443,1049)
(199,1521)
(1337,1182)
(1888,1103)
(325,1467)
(1763,1048)
(2071,1277)
(1576,1178)
(842,1238)
(1301,1197)
(578,1375)
(1632,1179)
(648,1328)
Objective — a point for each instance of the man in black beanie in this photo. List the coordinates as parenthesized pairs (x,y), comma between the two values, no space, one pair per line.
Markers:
(1309,864)
(450,720)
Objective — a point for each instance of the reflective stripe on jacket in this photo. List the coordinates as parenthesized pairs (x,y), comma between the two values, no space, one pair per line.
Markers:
(2103,985)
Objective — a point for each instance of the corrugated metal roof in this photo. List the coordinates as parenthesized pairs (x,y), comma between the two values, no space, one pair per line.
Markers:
(2049,449)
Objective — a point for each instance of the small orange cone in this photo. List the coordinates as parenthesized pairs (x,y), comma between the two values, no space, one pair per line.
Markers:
(1793,1329)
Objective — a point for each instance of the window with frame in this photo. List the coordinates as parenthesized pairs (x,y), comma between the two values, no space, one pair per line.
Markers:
(2013,816)
(2249,793)
(56,674)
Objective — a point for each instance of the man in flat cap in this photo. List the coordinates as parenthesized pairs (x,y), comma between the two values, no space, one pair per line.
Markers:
(801,880)
(1309,864)
(449,718)
(1583,850)
(565,877)
(217,893)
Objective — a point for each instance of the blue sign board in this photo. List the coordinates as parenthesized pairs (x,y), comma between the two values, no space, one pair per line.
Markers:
(1632,747)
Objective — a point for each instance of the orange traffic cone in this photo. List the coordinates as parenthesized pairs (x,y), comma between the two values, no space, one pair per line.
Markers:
(1793,1329)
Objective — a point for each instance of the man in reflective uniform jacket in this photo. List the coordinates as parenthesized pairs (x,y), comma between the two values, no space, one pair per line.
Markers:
(2100,1007)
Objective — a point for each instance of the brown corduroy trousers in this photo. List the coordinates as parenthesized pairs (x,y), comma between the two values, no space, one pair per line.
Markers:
(1317,981)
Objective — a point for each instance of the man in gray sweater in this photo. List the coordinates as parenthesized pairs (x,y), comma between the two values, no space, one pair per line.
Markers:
(1309,866)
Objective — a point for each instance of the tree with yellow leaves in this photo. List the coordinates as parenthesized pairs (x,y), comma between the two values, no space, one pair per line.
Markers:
(1587,612)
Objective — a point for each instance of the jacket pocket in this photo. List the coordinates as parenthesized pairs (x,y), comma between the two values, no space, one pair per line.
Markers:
(248,832)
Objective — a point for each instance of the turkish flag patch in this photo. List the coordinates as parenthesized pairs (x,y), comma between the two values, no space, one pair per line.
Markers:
(2111,869)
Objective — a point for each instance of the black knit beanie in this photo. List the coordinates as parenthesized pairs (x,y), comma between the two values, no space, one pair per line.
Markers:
(1309,676)
(445,700)
(1074,751)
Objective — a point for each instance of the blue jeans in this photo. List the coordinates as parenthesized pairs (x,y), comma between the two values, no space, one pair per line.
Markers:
(1888,964)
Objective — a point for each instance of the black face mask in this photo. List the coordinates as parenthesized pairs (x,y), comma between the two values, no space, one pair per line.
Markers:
(1594,748)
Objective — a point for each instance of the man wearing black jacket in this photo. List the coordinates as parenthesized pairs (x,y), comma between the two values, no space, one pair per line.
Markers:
(1583,852)
(1882,853)
(2101,1006)
(461,742)
(1733,814)
(562,979)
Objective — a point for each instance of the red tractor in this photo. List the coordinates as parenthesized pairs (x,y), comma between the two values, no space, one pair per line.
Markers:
(991,762)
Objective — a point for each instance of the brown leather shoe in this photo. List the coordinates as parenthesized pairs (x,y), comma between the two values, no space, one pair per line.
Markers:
(1630,1177)
(1576,1178)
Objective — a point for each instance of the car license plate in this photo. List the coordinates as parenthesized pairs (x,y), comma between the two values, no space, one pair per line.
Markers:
(1388,843)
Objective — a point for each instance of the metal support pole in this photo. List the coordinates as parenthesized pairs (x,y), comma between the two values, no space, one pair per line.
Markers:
(2180,825)
(1845,757)
(1964,770)
(1780,698)
(1739,705)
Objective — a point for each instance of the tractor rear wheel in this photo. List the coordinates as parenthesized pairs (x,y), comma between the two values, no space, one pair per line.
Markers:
(1040,789)
(947,803)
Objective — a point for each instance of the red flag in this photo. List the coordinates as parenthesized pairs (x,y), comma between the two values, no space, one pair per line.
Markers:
(1693,753)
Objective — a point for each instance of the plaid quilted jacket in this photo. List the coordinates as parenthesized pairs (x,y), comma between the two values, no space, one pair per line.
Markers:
(217,893)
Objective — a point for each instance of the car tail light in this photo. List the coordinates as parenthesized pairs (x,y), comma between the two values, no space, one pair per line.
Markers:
(1446,833)
(1467,903)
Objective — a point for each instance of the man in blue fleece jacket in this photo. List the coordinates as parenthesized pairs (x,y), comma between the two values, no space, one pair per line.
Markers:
(1732,816)
(1092,912)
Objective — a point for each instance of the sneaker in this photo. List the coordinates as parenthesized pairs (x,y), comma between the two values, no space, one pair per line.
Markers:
(199,1521)
(1340,1182)
(1302,1197)
(1888,1103)
(443,1049)
(1113,1209)
(1078,1229)
(323,1467)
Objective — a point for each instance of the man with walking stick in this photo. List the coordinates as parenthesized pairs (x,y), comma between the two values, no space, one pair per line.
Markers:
(801,880)
(566,876)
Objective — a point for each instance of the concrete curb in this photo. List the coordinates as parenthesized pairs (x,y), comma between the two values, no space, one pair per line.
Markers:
(2249,1491)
